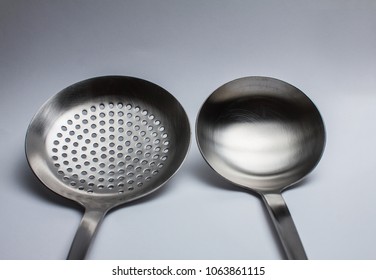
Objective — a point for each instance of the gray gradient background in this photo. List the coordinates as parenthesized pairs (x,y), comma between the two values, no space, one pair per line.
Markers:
(325,48)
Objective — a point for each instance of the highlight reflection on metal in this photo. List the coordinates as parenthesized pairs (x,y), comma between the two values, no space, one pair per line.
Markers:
(106,141)
(264,135)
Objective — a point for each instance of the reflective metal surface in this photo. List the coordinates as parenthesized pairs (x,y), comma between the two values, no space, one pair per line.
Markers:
(106,141)
(264,135)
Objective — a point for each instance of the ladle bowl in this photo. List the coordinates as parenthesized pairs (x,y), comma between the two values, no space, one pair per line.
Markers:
(264,135)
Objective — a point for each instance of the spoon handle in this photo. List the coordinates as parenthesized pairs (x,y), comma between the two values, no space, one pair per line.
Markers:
(85,233)
(284,225)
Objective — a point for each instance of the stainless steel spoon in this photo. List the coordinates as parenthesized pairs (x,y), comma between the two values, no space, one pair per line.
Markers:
(264,135)
(106,141)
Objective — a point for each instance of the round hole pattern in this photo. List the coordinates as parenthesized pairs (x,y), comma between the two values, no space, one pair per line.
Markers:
(109,148)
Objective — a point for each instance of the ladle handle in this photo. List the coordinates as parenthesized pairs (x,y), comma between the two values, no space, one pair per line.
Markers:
(284,225)
(85,233)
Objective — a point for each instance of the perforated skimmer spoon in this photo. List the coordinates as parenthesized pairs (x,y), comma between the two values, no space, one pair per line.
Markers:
(106,141)
(263,135)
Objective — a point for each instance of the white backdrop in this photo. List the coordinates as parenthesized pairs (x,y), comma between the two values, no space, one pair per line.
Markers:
(325,48)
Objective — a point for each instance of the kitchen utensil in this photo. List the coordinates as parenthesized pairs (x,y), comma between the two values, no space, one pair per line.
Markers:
(106,141)
(263,135)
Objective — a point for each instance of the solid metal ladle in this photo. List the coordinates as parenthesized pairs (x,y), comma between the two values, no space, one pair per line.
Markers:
(264,135)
